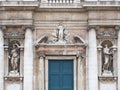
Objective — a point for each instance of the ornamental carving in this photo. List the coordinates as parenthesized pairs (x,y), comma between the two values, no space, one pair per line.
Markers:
(60,36)
(14,34)
(106,33)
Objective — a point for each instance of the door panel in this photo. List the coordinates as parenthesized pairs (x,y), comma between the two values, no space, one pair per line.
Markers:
(60,75)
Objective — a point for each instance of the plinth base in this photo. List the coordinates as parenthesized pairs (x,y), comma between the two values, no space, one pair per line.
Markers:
(107,73)
(13,73)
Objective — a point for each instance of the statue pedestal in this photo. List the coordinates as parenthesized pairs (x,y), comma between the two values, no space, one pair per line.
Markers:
(60,42)
(107,73)
(13,73)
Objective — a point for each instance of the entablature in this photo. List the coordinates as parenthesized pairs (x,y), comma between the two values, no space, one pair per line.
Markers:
(60,49)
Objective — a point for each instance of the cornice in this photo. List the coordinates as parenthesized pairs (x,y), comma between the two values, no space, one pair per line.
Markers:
(18,5)
(82,6)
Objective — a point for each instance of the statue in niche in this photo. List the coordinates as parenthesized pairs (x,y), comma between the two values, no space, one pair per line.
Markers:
(14,58)
(107,59)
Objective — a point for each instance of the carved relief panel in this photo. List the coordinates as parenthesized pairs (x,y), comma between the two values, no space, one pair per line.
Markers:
(107,46)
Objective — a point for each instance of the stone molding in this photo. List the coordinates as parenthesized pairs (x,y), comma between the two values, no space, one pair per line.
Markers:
(108,79)
(44,39)
(8,78)
(59,49)
(79,39)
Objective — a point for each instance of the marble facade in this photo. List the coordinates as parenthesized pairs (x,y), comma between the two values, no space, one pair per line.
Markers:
(77,31)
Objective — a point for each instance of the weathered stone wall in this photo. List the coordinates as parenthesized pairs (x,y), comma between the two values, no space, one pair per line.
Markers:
(84,22)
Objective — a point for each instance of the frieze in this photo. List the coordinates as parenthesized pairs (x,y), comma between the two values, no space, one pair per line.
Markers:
(15,34)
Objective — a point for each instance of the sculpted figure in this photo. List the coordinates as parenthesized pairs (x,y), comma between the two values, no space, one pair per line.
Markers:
(60,33)
(14,57)
(107,58)
(60,36)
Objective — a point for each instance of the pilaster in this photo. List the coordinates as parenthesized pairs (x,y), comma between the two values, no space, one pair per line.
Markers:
(1,58)
(41,72)
(118,59)
(81,72)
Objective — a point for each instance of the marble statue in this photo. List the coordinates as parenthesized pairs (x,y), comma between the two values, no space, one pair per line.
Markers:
(60,33)
(14,58)
(107,58)
(60,36)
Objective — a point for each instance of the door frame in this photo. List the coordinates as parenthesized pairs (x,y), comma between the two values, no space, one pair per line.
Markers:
(60,58)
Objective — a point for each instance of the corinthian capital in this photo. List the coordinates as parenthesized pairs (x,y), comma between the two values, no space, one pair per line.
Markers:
(95,27)
(40,55)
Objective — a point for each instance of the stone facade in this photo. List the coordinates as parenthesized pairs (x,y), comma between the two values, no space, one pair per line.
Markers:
(34,32)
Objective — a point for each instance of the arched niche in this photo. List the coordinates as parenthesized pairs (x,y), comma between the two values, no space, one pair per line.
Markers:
(107,42)
(107,57)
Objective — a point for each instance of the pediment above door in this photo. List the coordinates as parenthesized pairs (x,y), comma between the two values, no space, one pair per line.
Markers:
(60,43)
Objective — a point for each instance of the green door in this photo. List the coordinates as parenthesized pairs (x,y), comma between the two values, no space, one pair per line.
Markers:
(60,75)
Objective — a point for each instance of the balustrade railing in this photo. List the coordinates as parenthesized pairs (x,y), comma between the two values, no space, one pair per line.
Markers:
(60,1)
(77,3)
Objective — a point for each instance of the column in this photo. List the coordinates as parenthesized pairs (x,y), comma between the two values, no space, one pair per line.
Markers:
(80,73)
(118,57)
(92,59)
(114,60)
(41,72)
(1,58)
(28,58)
